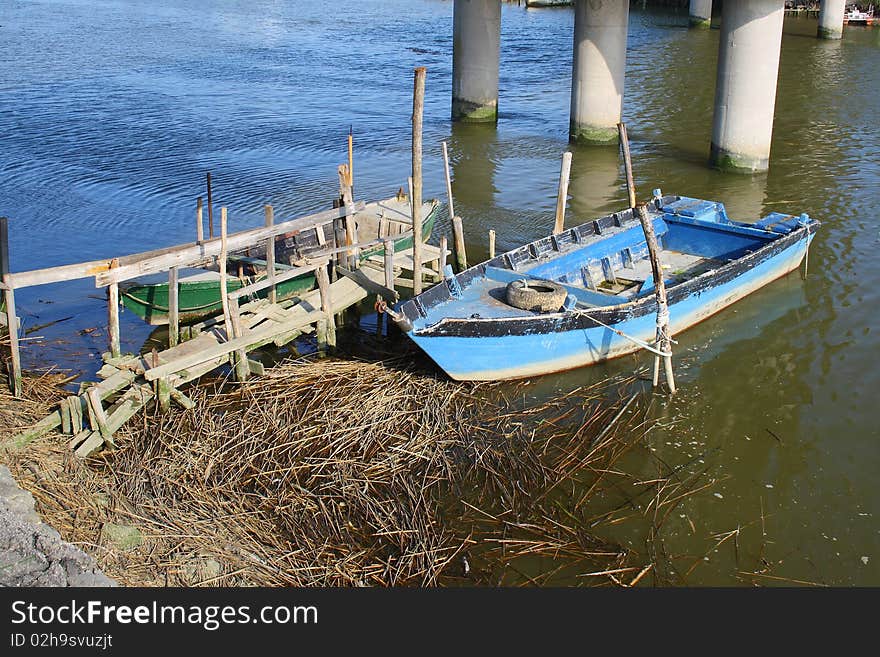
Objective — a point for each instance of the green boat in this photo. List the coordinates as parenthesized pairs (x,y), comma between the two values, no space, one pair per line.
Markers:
(199,294)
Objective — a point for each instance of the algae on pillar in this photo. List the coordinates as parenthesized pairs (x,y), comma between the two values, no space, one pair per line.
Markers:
(476,45)
(700,14)
(745,88)
(598,68)
(831,14)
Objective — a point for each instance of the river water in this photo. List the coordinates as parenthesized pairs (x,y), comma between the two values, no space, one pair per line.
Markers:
(112,111)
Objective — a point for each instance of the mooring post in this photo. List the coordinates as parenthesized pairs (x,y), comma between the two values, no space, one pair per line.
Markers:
(210,209)
(270,253)
(11,319)
(113,313)
(351,255)
(351,160)
(242,370)
(448,182)
(664,339)
(562,193)
(627,164)
(460,250)
(224,291)
(329,329)
(389,263)
(491,244)
(200,227)
(441,263)
(418,110)
(173,308)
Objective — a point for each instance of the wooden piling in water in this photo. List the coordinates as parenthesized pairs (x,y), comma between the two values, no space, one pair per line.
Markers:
(113,314)
(491,244)
(418,110)
(173,308)
(627,164)
(224,291)
(210,209)
(460,251)
(11,319)
(562,194)
(441,265)
(329,328)
(200,227)
(448,183)
(270,253)
(663,339)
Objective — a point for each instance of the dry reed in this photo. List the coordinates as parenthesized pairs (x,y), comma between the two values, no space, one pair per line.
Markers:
(352,473)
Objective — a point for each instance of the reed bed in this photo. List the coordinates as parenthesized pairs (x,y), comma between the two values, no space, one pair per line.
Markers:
(355,473)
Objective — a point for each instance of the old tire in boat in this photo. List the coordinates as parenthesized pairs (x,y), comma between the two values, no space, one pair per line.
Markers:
(536,295)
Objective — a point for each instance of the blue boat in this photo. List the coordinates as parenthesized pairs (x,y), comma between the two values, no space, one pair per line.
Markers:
(587,294)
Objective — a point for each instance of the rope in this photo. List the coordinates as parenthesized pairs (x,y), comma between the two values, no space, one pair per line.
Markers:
(642,344)
(804,224)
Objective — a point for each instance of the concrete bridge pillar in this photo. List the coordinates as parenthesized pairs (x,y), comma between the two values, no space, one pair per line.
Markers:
(598,70)
(476,45)
(745,88)
(700,14)
(831,19)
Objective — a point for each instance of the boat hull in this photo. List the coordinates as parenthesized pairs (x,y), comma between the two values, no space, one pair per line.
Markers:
(490,350)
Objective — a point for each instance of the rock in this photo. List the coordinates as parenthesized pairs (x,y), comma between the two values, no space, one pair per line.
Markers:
(122,537)
(18,501)
(34,555)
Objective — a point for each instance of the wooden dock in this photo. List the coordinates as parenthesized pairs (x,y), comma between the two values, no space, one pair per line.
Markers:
(248,322)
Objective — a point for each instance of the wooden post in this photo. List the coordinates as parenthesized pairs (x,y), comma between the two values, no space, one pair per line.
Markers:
(664,340)
(418,108)
(441,264)
(241,360)
(491,244)
(173,308)
(200,227)
(460,252)
(448,182)
(11,319)
(113,314)
(627,162)
(562,194)
(327,306)
(350,228)
(351,160)
(270,253)
(389,263)
(98,414)
(224,291)
(210,209)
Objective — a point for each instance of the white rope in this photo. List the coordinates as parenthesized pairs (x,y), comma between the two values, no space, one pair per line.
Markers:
(643,345)
(806,248)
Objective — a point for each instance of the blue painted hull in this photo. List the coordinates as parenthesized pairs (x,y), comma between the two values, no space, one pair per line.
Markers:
(460,333)
(488,358)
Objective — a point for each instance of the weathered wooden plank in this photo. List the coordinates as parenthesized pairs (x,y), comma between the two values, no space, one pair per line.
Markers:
(246,342)
(364,281)
(295,272)
(190,253)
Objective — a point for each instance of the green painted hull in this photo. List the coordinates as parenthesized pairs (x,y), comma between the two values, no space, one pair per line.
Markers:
(199,300)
